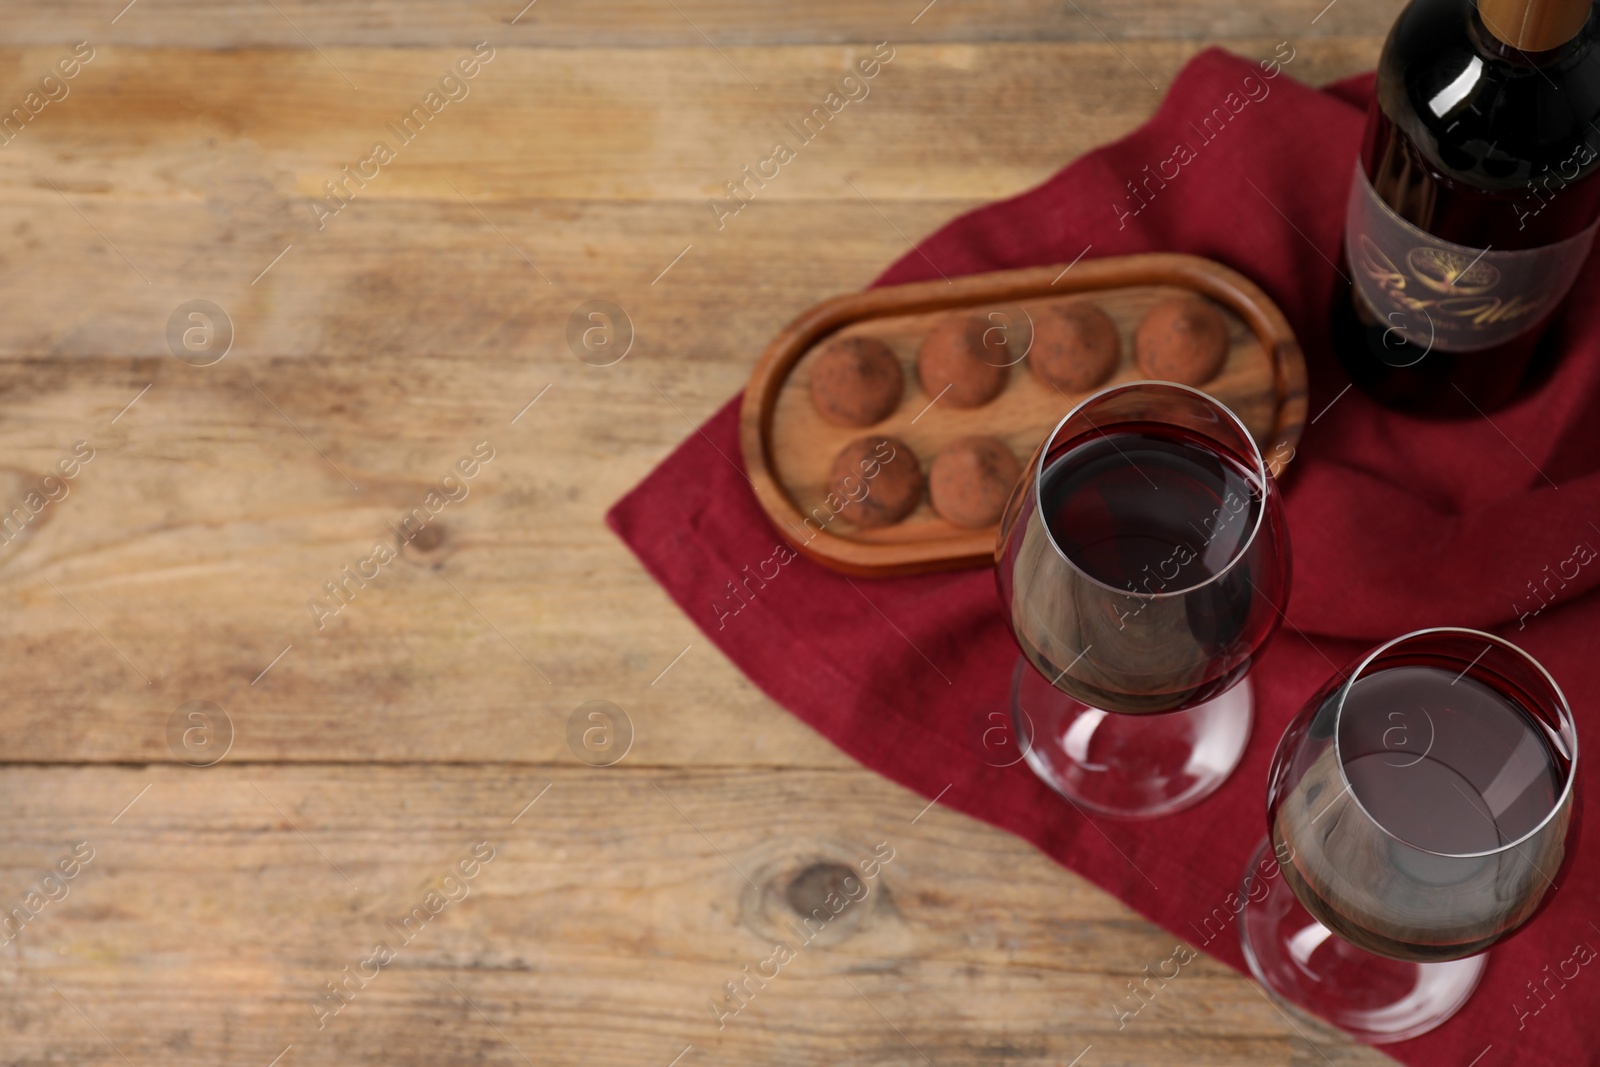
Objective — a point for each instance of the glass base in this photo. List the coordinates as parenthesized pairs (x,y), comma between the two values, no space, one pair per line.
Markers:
(1312,972)
(1133,766)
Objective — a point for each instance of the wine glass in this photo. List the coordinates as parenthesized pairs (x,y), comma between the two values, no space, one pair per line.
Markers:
(1142,565)
(1419,811)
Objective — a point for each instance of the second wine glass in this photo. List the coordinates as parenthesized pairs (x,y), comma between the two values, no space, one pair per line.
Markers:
(1142,564)
(1420,809)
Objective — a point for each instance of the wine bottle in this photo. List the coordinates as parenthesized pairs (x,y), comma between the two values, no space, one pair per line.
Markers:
(1474,202)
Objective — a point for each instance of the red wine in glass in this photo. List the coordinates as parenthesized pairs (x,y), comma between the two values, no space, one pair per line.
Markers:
(1124,504)
(1157,517)
(1447,770)
(1157,509)
(1420,807)
(1143,564)
(1484,773)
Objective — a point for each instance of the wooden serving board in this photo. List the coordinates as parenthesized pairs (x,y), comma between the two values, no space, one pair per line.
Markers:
(789,448)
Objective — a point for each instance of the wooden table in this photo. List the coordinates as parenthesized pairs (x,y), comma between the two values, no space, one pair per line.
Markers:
(366,753)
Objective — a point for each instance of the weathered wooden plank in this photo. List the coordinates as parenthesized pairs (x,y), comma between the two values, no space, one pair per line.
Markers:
(215,908)
(300,24)
(169,176)
(194,538)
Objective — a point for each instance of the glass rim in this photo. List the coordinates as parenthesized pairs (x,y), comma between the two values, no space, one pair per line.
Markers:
(1261,472)
(1563,708)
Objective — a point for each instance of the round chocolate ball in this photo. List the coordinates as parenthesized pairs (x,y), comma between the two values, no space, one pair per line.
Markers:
(1183,340)
(960,354)
(856,381)
(879,479)
(1075,346)
(971,480)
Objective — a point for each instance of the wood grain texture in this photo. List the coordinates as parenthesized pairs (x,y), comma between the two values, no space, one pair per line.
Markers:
(302,24)
(611,915)
(172,175)
(367,360)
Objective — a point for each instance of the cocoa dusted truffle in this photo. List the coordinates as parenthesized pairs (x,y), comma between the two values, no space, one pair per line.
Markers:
(1075,346)
(879,479)
(971,480)
(856,381)
(962,354)
(1183,340)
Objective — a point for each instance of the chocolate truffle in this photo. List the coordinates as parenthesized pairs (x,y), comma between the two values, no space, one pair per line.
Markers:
(879,480)
(1075,346)
(856,381)
(1183,340)
(971,480)
(962,354)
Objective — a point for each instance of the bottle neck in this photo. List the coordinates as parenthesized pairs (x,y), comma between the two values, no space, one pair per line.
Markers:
(1534,26)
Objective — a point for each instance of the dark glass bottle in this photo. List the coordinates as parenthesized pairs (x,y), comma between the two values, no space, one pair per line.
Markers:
(1474,203)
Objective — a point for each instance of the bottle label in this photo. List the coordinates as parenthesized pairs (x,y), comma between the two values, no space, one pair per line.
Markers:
(1446,296)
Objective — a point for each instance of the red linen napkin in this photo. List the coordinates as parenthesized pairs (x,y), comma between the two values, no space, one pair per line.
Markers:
(1396,524)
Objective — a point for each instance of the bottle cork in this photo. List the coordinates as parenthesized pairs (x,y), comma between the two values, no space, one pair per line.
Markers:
(1534,25)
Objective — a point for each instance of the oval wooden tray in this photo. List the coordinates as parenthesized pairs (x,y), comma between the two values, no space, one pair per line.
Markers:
(788,447)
